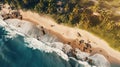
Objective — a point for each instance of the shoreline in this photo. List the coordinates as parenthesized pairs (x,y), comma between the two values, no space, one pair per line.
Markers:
(68,36)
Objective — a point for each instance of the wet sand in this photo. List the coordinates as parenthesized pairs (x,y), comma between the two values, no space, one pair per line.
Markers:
(69,35)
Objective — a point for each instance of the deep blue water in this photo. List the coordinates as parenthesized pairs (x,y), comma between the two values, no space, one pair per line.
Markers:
(15,53)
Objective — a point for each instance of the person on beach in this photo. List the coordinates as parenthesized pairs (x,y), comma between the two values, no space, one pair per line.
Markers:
(79,35)
(43,31)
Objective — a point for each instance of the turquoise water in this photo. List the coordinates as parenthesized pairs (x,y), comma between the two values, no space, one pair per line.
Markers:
(115,65)
(16,51)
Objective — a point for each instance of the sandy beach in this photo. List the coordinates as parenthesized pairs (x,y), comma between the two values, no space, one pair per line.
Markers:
(68,34)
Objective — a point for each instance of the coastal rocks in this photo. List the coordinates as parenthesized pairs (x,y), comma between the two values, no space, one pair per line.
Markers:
(99,60)
(67,49)
(81,55)
(29,52)
(8,12)
(94,60)
(63,47)
(85,46)
(46,42)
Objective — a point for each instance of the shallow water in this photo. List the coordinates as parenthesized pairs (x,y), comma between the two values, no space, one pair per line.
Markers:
(115,65)
(18,47)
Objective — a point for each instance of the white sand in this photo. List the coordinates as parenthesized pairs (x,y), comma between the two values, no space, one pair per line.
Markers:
(70,33)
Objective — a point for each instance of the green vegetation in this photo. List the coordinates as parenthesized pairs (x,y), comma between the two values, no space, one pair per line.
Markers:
(97,16)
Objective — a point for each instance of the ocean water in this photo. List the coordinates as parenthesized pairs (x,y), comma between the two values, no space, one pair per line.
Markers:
(19,47)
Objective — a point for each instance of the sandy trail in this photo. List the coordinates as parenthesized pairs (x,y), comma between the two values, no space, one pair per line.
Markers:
(71,33)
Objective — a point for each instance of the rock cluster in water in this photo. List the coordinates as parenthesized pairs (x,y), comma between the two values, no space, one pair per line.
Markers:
(76,57)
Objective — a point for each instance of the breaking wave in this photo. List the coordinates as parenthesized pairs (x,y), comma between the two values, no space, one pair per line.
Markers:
(23,44)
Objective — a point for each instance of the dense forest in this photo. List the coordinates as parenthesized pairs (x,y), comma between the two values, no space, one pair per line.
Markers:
(101,17)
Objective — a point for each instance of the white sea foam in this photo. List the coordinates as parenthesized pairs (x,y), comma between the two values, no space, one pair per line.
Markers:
(49,45)
(99,60)
(35,44)
(81,55)
(30,29)
(2,23)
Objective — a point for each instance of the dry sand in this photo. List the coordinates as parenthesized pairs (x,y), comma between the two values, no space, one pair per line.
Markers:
(68,34)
